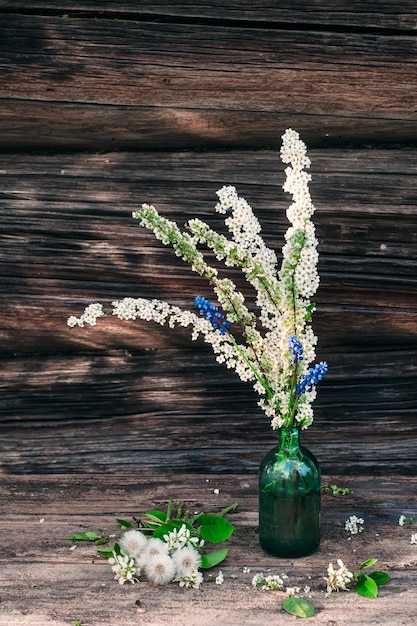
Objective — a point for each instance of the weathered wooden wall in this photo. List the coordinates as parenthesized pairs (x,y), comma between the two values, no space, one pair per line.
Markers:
(101,110)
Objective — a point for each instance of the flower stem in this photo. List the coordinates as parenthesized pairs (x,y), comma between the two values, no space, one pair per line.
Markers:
(252,367)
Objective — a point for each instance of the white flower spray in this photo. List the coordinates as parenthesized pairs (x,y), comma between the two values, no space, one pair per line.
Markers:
(338,579)
(279,346)
(354,525)
(176,559)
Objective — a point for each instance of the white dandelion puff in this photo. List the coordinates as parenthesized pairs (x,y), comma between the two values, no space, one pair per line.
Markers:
(186,560)
(133,542)
(160,569)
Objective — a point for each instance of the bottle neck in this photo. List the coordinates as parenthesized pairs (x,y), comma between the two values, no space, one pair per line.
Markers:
(289,439)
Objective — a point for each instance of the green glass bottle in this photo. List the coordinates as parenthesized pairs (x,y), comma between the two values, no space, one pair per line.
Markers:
(289,498)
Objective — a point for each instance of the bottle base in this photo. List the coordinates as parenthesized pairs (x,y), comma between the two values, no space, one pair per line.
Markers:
(289,553)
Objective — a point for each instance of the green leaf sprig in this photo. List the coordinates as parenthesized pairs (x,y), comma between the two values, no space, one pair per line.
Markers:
(89,535)
(205,527)
(366,585)
(334,490)
(298,607)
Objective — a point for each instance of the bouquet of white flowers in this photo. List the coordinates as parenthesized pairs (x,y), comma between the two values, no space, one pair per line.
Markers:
(277,346)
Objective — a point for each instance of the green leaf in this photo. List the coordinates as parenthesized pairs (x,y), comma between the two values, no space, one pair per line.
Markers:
(106,552)
(366,587)
(157,516)
(381,578)
(101,541)
(309,310)
(368,563)
(89,535)
(165,529)
(298,607)
(213,558)
(124,523)
(214,528)
(334,490)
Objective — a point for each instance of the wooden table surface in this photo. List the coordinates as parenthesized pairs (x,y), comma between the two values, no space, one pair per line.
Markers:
(45,580)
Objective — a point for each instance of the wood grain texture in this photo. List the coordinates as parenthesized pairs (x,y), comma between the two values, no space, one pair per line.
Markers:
(127,394)
(177,409)
(37,558)
(210,84)
(68,236)
(159,79)
(355,14)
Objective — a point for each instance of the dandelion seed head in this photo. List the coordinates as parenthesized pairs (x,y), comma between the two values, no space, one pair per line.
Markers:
(133,542)
(186,560)
(160,569)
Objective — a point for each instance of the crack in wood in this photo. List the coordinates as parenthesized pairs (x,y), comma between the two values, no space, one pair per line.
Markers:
(200,20)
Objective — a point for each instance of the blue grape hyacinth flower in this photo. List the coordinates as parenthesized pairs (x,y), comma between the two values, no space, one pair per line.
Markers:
(212,314)
(295,348)
(313,376)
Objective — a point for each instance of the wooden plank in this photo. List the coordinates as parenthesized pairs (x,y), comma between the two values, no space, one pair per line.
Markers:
(210,85)
(127,394)
(322,13)
(114,413)
(29,124)
(68,239)
(46,583)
